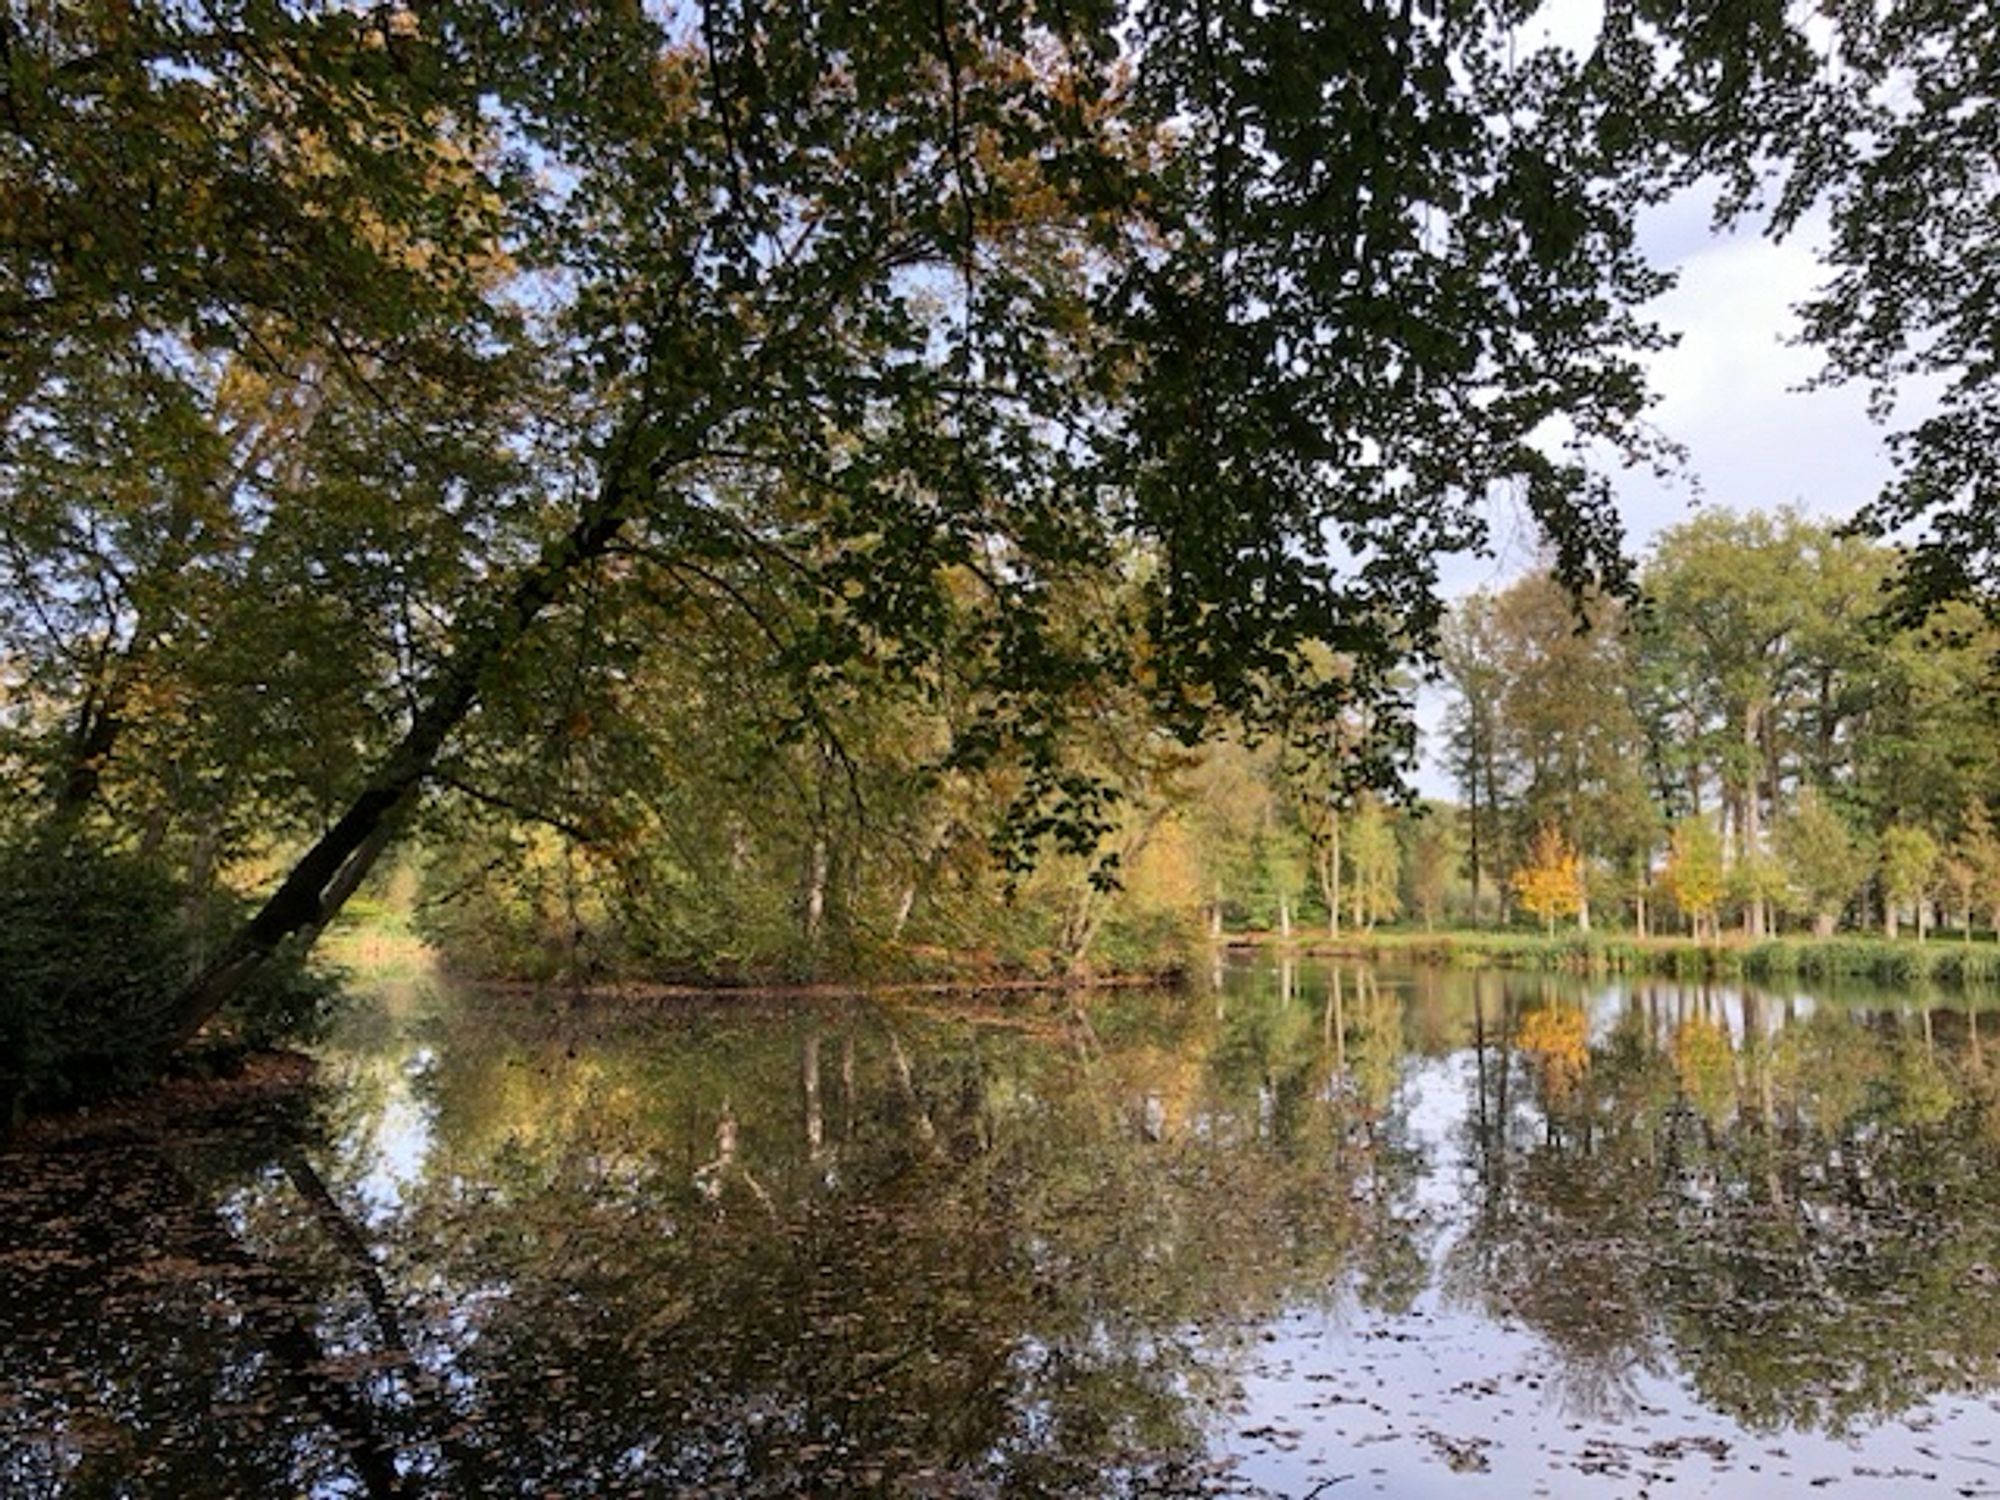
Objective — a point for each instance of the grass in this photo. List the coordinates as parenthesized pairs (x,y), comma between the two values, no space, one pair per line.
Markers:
(1846,956)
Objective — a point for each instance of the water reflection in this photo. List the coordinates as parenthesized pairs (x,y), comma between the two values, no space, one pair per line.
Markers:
(1172,1243)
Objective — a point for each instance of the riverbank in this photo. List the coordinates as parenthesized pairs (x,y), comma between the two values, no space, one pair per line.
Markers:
(203,1091)
(380,951)
(1847,956)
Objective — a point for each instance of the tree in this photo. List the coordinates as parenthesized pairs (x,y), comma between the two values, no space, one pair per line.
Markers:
(1695,875)
(1909,866)
(1550,884)
(1979,848)
(1757,883)
(1911,253)
(1231,801)
(1927,739)
(1821,860)
(1373,864)
(1731,599)
(1472,729)
(1961,877)
(1431,854)
(883,301)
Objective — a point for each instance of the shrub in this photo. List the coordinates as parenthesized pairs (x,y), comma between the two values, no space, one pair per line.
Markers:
(91,954)
(94,947)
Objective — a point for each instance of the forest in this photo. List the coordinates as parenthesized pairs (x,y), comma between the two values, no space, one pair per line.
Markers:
(823,491)
(1752,743)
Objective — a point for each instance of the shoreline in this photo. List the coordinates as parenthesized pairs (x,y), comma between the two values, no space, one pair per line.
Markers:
(164,1106)
(1905,960)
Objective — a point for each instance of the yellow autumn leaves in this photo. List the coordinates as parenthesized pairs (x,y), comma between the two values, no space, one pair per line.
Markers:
(1550,883)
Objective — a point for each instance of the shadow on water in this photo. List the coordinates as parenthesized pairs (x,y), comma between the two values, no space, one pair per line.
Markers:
(1310,1229)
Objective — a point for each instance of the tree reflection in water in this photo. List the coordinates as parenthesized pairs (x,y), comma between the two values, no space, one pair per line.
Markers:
(751,1249)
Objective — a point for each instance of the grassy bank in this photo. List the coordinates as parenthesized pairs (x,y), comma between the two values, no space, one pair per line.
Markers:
(1849,956)
(372,945)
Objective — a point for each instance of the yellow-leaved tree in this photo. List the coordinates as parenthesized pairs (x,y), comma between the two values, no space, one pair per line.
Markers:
(1695,873)
(1550,884)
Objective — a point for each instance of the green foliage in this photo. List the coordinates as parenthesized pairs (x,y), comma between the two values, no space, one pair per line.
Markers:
(91,952)
(1373,865)
(473,365)
(1695,875)
(94,945)
(1432,850)
(824,468)
(1757,684)
(1977,851)
(1822,860)
(1909,866)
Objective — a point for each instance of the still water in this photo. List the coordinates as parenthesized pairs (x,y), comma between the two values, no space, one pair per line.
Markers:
(1306,1230)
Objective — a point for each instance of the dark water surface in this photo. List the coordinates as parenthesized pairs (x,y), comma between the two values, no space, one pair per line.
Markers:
(1316,1232)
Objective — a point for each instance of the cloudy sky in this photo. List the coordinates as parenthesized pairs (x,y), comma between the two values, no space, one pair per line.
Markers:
(1730,390)
(1730,394)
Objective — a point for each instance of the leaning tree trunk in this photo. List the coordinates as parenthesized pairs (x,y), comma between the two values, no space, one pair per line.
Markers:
(328,873)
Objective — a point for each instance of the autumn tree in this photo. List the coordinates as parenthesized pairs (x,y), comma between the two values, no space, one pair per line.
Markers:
(1978,848)
(1432,849)
(1695,874)
(916,315)
(1466,657)
(1550,883)
(1373,865)
(1731,599)
(1909,255)
(1960,877)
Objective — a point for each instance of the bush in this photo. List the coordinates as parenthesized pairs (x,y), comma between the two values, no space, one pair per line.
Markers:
(94,948)
(91,954)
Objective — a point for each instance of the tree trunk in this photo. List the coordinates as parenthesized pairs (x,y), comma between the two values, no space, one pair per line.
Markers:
(1750,830)
(102,719)
(312,892)
(816,875)
(98,726)
(1473,840)
(1333,872)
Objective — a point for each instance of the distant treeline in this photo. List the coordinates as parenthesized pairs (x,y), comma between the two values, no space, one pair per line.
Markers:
(1756,740)
(1751,743)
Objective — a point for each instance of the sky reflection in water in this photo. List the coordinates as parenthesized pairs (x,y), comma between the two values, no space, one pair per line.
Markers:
(1314,1231)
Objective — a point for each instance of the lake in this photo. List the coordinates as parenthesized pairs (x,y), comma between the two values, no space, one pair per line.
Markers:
(1304,1229)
